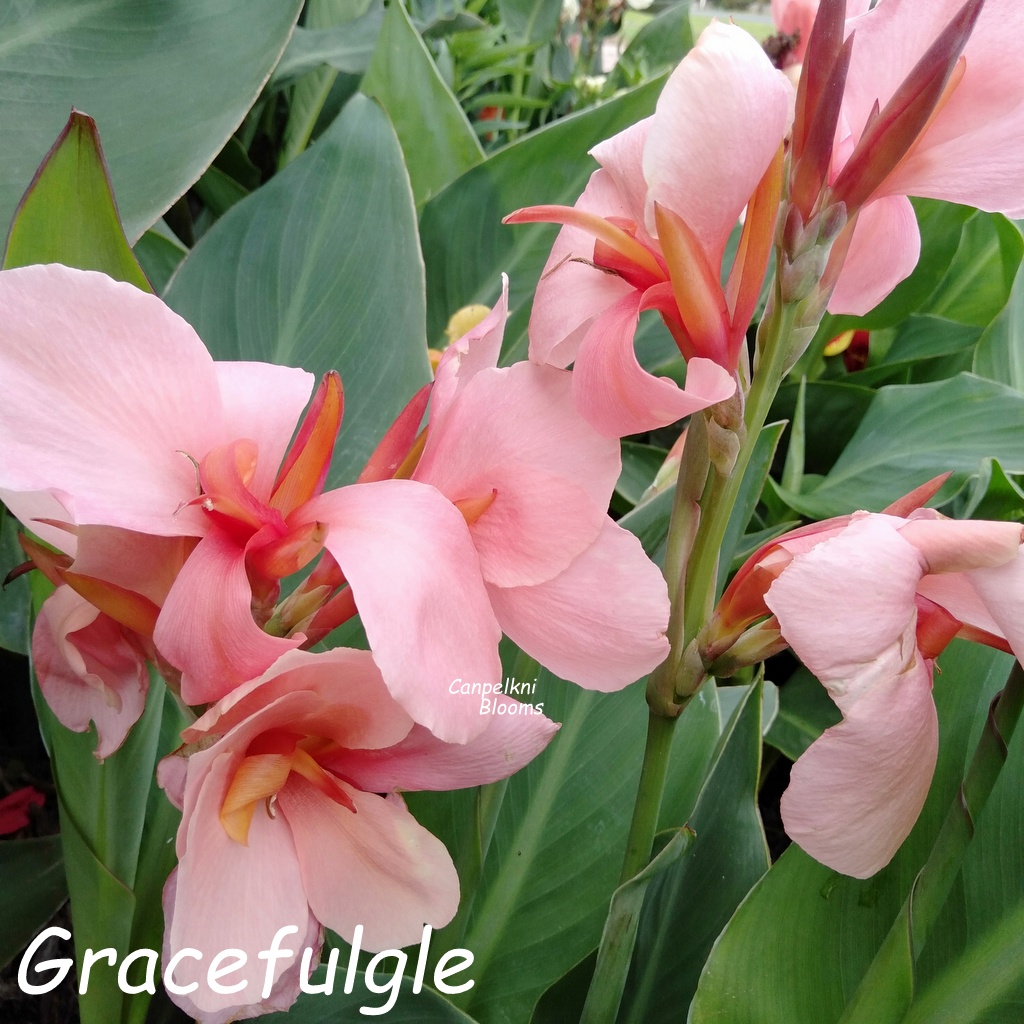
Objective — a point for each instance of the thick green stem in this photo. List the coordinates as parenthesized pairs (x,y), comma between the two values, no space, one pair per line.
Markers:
(648,798)
(886,990)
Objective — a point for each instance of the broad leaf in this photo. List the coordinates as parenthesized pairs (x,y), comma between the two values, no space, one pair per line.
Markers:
(465,246)
(167,84)
(321,268)
(833,924)
(436,137)
(32,888)
(915,432)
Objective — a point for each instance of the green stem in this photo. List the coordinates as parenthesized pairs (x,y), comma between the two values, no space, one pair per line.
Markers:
(887,989)
(648,798)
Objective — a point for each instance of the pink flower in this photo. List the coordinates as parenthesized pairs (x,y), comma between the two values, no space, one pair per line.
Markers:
(967,150)
(533,480)
(868,602)
(649,232)
(113,413)
(291,818)
(795,18)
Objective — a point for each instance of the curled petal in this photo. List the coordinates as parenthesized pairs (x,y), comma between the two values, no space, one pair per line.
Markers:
(856,792)
(618,397)
(88,669)
(206,628)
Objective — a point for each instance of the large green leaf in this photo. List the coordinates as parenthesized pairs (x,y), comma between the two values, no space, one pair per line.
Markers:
(912,433)
(167,83)
(1000,352)
(32,888)
(116,831)
(15,598)
(530,21)
(436,137)
(832,924)
(321,268)
(464,244)
(687,905)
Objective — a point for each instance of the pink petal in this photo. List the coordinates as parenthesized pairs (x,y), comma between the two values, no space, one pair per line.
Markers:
(263,403)
(338,694)
(618,397)
(869,572)
(206,628)
(88,669)
(478,349)
(222,899)
(855,794)
(719,122)
(571,292)
(884,250)
(511,739)
(972,152)
(136,389)
(1001,591)
(415,575)
(29,506)
(376,866)
(795,17)
(601,623)
(622,157)
(514,433)
(951,545)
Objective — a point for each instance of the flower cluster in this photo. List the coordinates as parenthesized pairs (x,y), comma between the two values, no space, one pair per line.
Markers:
(169,500)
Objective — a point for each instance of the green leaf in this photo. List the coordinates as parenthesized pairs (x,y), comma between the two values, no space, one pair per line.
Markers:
(436,137)
(116,831)
(321,268)
(640,465)
(347,47)
(1000,352)
(805,712)
(686,906)
(992,495)
(912,433)
(532,21)
(167,84)
(32,889)
(616,949)
(833,924)
(464,244)
(159,253)
(979,281)
(15,598)
(659,45)
(68,214)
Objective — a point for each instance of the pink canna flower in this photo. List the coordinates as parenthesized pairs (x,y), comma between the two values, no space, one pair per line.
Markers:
(932,106)
(906,587)
(292,780)
(112,413)
(650,230)
(533,480)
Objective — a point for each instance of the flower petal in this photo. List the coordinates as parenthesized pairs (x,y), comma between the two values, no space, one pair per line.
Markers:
(206,628)
(137,388)
(421,761)
(601,623)
(221,899)
(376,866)
(719,122)
(856,792)
(571,291)
(884,250)
(618,397)
(514,433)
(88,670)
(407,553)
